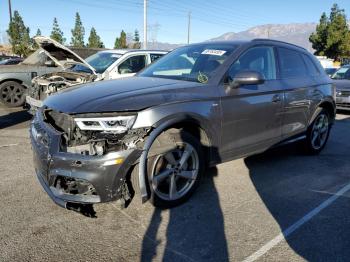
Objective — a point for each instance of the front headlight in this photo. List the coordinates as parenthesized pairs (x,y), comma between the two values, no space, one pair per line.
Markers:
(116,124)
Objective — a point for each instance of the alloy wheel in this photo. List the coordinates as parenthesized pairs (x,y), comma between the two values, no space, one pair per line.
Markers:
(175,172)
(319,131)
(11,94)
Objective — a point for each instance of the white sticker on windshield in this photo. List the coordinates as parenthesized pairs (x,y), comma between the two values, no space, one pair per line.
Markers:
(116,56)
(213,52)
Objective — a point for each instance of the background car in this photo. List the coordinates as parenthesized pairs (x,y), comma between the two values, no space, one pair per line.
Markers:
(342,83)
(16,79)
(104,65)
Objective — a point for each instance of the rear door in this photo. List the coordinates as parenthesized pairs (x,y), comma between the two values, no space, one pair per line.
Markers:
(251,114)
(296,81)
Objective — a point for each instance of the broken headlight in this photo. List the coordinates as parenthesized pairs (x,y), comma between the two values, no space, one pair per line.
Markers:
(116,124)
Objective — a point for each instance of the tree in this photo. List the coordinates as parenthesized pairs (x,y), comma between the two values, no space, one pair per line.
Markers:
(120,42)
(338,40)
(94,39)
(38,32)
(319,38)
(117,43)
(123,43)
(332,36)
(56,33)
(78,32)
(19,36)
(137,43)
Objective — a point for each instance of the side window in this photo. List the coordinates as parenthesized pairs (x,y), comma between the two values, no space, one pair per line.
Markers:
(260,59)
(132,64)
(313,71)
(155,57)
(291,63)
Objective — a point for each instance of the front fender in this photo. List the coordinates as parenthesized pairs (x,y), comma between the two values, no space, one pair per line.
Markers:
(205,114)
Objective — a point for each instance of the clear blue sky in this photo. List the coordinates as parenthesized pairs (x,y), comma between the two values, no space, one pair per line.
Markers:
(210,18)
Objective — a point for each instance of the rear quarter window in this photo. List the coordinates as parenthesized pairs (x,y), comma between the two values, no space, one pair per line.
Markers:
(291,63)
(312,69)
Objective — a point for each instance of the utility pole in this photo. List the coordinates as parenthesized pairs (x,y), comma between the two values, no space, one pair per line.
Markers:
(189,27)
(10,10)
(144,24)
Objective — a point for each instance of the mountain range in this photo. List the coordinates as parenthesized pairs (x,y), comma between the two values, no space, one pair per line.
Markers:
(295,33)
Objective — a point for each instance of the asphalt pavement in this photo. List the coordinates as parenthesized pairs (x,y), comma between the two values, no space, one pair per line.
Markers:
(277,206)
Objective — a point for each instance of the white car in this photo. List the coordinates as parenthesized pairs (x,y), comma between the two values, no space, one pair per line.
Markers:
(104,65)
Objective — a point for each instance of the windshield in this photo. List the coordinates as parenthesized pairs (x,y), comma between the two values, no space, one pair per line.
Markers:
(100,61)
(191,63)
(342,73)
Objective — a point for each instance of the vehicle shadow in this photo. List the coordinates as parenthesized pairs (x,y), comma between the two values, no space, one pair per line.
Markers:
(14,118)
(291,184)
(195,231)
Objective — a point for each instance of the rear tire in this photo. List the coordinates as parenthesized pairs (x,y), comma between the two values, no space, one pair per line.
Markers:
(12,94)
(174,168)
(318,133)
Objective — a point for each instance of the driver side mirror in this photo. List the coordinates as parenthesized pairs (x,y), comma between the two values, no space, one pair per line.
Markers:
(247,78)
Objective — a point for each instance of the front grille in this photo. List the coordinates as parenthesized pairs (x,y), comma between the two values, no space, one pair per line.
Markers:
(343,93)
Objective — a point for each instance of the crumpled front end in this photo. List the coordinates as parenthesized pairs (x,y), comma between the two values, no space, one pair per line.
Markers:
(46,85)
(77,166)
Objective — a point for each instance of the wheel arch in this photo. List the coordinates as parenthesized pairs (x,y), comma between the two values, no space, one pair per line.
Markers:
(189,123)
(14,80)
(327,105)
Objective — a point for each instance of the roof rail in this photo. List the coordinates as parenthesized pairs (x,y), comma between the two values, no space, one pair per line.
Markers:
(278,41)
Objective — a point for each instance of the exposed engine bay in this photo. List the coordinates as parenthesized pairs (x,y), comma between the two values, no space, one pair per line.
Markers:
(44,86)
(91,142)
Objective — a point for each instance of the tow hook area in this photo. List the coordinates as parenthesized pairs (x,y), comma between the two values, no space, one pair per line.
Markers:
(125,194)
(84,209)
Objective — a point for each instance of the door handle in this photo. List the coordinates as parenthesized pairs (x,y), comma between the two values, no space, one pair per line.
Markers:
(276,98)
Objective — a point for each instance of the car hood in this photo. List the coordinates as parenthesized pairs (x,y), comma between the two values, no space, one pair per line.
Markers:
(342,84)
(129,94)
(59,53)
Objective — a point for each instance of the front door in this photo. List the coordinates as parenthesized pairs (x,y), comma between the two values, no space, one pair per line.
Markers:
(252,114)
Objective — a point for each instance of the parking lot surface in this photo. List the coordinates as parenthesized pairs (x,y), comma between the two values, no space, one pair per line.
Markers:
(277,206)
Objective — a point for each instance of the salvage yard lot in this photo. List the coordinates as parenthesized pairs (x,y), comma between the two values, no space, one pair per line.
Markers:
(239,208)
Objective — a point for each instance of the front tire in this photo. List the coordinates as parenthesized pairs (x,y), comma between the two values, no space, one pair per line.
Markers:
(12,94)
(174,167)
(318,133)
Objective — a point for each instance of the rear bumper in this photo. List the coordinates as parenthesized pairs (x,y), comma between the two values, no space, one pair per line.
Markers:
(93,179)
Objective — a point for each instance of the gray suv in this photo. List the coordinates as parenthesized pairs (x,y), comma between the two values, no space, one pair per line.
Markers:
(198,106)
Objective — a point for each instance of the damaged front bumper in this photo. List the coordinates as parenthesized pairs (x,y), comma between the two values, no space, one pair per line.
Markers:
(75,178)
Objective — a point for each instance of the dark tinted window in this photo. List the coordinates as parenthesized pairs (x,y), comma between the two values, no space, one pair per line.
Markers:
(313,71)
(260,59)
(132,64)
(291,63)
(154,57)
